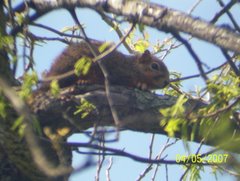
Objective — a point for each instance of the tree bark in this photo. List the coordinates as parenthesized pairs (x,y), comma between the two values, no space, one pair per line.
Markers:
(136,110)
(150,14)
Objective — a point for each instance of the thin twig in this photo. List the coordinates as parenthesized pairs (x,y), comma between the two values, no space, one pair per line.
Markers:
(109,168)
(198,75)
(230,62)
(101,158)
(194,6)
(56,31)
(114,25)
(223,10)
(113,151)
(226,10)
(237,99)
(192,53)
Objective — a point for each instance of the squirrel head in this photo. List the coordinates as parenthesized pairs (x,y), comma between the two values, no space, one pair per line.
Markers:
(154,70)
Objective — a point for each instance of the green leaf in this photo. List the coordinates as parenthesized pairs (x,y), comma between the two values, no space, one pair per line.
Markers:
(194,131)
(19,126)
(85,108)
(3,112)
(71,28)
(82,66)
(104,46)
(54,88)
(37,127)
(141,45)
(29,80)
(17,123)
(19,18)
(5,41)
(178,108)
(172,126)
(141,27)
(195,172)
(173,120)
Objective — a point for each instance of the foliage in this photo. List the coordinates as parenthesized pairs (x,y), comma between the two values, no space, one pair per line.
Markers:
(224,91)
(54,88)
(141,43)
(174,119)
(211,120)
(5,41)
(3,112)
(19,126)
(85,108)
(82,66)
(176,84)
(29,81)
(194,173)
(104,46)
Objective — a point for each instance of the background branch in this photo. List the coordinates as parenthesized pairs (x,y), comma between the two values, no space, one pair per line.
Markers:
(154,15)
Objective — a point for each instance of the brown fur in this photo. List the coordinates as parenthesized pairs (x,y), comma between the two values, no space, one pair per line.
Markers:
(142,71)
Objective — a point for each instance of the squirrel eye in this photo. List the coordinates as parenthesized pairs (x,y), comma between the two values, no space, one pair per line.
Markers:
(155,66)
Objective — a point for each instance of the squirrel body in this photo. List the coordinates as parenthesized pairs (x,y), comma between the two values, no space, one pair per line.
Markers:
(143,71)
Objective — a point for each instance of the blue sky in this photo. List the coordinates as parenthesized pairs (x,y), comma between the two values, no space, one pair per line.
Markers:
(179,61)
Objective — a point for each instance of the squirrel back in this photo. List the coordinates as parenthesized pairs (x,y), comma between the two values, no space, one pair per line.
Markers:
(143,71)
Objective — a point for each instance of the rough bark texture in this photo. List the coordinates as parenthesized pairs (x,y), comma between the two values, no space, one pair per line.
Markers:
(132,106)
(16,160)
(136,110)
(154,15)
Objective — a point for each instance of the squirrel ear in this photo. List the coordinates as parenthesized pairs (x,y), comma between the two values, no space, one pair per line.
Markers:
(145,57)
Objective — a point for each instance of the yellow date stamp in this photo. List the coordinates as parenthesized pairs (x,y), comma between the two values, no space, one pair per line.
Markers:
(198,158)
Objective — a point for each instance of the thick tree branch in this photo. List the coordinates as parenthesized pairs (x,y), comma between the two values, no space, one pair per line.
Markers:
(154,15)
(137,110)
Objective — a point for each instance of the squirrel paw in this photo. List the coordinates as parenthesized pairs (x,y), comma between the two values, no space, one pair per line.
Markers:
(142,86)
(83,82)
(66,98)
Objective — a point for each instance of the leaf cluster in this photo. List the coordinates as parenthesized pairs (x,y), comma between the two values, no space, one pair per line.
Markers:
(174,117)
(29,81)
(85,108)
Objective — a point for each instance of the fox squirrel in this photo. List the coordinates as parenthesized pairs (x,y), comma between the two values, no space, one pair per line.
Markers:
(143,71)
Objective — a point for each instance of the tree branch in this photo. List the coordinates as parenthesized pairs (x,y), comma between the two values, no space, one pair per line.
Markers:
(154,15)
(137,110)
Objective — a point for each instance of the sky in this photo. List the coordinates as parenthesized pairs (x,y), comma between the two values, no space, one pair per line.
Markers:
(178,60)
